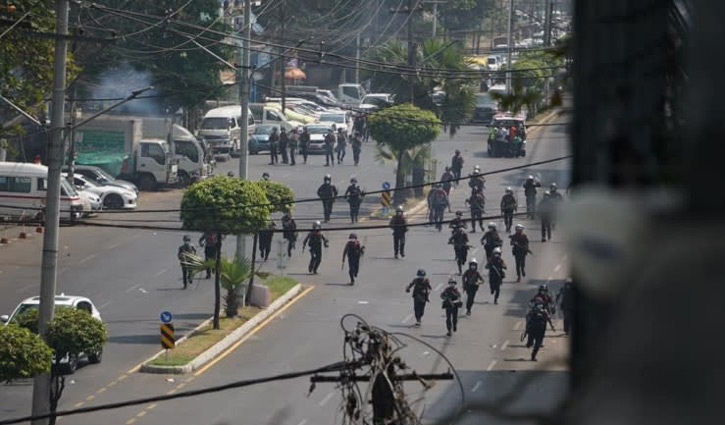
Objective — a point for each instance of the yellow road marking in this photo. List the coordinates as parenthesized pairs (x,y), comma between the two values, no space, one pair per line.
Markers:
(77,405)
(90,397)
(254,331)
(102,390)
(151,407)
(130,421)
(112,384)
(122,377)
(141,414)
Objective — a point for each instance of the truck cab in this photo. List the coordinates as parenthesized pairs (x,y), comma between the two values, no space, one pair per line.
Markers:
(350,94)
(152,164)
(195,162)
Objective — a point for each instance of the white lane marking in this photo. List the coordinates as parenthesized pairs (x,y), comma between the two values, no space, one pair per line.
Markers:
(491,365)
(407,318)
(424,353)
(90,257)
(114,246)
(438,287)
(505,344)
(326,399)
(161,272)
(476,387)
(102,306)
(518,324)
(143,290)
(302,422)
(363,302)
(557,268)
(132,288)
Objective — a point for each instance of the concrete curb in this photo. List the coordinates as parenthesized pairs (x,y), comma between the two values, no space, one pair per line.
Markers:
(222,345)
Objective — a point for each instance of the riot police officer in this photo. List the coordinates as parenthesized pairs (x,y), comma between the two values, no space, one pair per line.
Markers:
(496,273)
(509,205)
(447,180)
(477,203)
(459,240)
(472,279)
(491,240)
(354,196)
(476,180)
(315,239)
(451,303)
(457,165)
(185,253)
(530,186)
(399,224)
(289,233)
(457,222)
(209,241)
(542,297)
(520,249)
(546,214)
(536,322)
(421,291)
(438,203)
(565,300)
(265,240)
(327,192)
(353,251)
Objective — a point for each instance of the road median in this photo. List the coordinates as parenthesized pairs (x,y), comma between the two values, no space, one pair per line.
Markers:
(203,344)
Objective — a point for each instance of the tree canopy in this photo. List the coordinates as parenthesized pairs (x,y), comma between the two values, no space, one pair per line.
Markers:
(279,195)
(227,205)
(23,354)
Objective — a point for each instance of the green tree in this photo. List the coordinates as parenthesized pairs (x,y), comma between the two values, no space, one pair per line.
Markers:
(224,205)
(279,195)
(402,128)
(23,354)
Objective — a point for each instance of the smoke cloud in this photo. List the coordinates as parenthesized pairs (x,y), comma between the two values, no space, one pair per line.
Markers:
(119,82)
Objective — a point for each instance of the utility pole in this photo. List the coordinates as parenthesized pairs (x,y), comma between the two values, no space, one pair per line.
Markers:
(357,59)
(48,274)
(509,46)
(72,133)
(549,11)
(411,54)
(435,18)
(243,78)
(283,67)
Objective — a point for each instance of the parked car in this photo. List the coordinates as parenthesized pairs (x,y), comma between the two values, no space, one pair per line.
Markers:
(69,363)
(317,137)
(376,101)
(99,176)
(113,197)
(91,202)
(260,138)
(340,119)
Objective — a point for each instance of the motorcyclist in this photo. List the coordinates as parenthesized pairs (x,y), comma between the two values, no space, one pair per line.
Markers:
(185,255)
(496,273)
(472,279)
(491,240)
(315,240)
(477,203)
(459,240)
(354,252)
(457,165)
(520,249)
(327,192)
(530,186)
(509,205)
(289,233)
(354,196)
(399,224)
(421,290)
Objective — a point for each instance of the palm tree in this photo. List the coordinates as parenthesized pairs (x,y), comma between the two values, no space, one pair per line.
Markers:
(410,161)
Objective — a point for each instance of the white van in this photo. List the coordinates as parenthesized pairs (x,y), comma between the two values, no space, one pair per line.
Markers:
(221,128)
(23,192)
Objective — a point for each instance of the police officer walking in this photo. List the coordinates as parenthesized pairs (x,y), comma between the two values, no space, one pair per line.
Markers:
(451,303)
(354,252)
(354,196)
(536,322)
(457,222)
(399,224)
(327,192)
(556,200)
(304,143)
(508,206)
(341,145)
(209,241)
(459,240)
(496,273)
(289,232)
(447,180)
(329,148)
(356,144)
(283,142)
(471,280)
(273,141)
(546,213)
(565,300)
(439,203)
(315,239)
(476,203)
(265,240)
(293,142)
(421,290)
(491,240)
(520,244)
(457,165)
(476,181)
(530,186)
(186,251)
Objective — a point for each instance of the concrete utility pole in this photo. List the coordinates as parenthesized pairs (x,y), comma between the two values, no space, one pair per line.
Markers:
(509,43)
(283,68)
(435,18)
(411,53)
(48,273)
(243,77)
(547,22)
(357,59)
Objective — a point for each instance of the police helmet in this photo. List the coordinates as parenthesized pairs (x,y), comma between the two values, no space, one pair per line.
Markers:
(187,238)
(473,261)
(509,190)
(328,177)
(459,213)
(420,273)
(519,227)
(352,236)
(452,282)
(458,151)
(492,225)
(399,209)
(543,288)
(316,224)
(353,179)
(530,178)
(552,188)
(497,250)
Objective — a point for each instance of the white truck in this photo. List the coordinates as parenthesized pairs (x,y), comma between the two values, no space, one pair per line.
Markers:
(195,161)
(117,145)
(265,114)
(221,129)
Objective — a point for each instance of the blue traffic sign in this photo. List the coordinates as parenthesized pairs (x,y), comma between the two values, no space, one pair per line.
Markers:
(386,185)
(166,317)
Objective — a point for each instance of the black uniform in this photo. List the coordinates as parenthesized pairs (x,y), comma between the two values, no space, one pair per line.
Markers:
(356,149)
(477,183)
(477,203)
(457,166)
(341,147)
(457,223)
(447,181)
(530,192)
(289,228)
(283,142)
(353,251)
(438,202)
(209,240)
(451,303)
(496,274)
(354,196)
(421,290)
(546,213)
(273,141)
(186,268)
(459,240)
(399,224)
(327,192)
(265,241)
(565,299)
(556,200)
(508,207)
(315,240)
(471,280)
(536,322)
(520,244)
(304,144)
(329,149)
(293,141)
(490,241)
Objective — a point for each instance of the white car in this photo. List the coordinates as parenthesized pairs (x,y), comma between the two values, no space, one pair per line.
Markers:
(340,119)
(375,101)
(317,136)
(91,202)
(70,363)
(112,197)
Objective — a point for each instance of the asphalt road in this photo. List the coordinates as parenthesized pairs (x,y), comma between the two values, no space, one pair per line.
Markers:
(132,275)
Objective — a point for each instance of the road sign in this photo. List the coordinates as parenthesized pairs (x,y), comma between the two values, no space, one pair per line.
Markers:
(386,185)
(167,336)
(166,317)
(386,199)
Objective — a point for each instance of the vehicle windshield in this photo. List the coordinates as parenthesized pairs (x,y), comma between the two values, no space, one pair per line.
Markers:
(24,308)
(374,100)
(264,129)
(89,182)
(336,118)
(318,130)
(484,99)
(507,123)
(105,175)
(215,124)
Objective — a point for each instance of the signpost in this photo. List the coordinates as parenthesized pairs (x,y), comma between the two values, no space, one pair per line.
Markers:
(386,198)
(167,332)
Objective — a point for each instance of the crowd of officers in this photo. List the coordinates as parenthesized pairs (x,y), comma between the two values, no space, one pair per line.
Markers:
(541,306)
(288,145)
